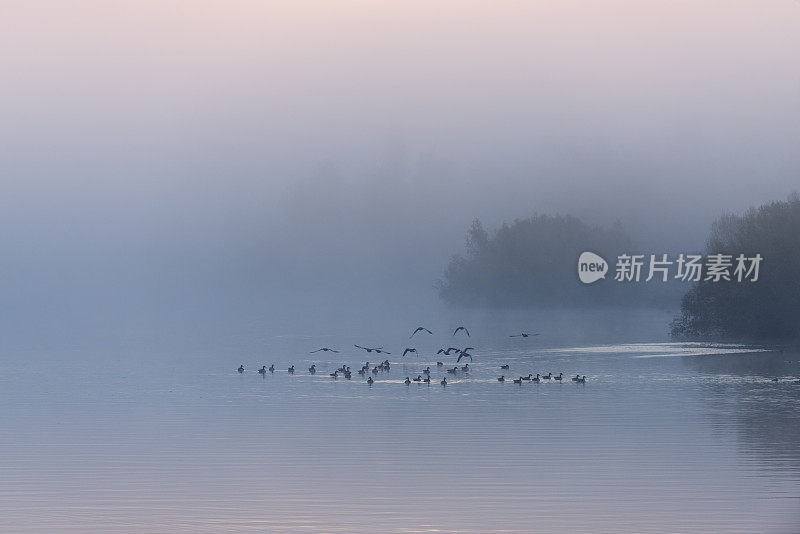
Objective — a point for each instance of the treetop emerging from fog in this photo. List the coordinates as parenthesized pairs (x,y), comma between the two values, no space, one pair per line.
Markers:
(768,309)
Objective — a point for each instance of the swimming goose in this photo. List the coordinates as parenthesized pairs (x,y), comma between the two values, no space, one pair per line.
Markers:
(263,370)
(362,371)
(334,374)
(439,364)
(271,368)
(312,369)
(443,382)
(576,378)
(241,368)
(453,370)
(559,377)
(370,381)
(427,380)
(407,381)
(502,378)
(581,380)
(527,377)
(347,374)
(291,370)
(518,380)
(427,371)
(548,376)
(418,379)
(504,366)
(465,368)
(535,378)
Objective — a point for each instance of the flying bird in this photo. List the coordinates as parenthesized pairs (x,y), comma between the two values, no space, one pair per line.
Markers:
(461,328)
(523,334)
(409,350)
(326,349)
(420,329)
(368,349)
(464,354)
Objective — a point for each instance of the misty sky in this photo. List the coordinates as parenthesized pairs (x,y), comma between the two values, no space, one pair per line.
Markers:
(153,152)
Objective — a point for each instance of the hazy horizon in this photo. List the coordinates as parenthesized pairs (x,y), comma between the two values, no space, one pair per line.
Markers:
(186,156)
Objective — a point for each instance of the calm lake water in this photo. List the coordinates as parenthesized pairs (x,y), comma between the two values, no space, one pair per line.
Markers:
(663,437)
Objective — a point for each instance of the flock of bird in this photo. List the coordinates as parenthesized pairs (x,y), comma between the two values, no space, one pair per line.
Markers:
(425,375)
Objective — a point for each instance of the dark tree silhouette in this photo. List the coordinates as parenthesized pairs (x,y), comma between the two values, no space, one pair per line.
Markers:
(765,310)
(533,262)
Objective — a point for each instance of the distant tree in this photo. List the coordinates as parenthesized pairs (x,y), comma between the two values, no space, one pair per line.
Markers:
(532,262)
(767,309)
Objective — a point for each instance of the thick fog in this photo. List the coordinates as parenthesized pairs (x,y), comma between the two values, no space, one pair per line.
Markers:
(201,163)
